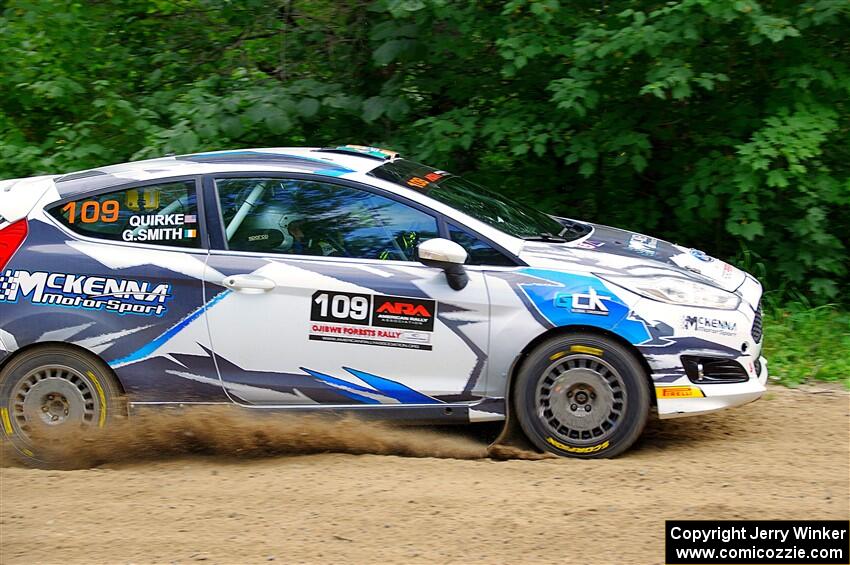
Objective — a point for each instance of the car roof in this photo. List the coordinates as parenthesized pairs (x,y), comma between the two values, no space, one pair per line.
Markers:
(329,161)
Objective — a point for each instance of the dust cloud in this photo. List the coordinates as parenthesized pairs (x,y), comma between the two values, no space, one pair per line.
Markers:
(231,432)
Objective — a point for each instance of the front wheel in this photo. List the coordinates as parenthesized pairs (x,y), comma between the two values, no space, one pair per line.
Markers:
(51,397)
(582,395)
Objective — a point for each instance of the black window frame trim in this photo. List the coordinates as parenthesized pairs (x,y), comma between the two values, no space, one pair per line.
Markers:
(508,255)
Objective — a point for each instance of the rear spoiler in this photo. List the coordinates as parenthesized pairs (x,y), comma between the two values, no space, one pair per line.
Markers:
(19,196)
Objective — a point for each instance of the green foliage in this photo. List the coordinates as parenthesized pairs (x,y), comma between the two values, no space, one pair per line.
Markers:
(721,124)
(804,344)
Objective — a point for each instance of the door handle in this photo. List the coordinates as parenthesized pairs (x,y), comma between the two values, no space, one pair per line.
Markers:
(249,283)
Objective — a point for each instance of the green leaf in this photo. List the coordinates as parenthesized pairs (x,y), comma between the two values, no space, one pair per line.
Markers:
(398,109)
(307,107)
(400,6)
(231,126)
(373,108)
(278,123)
(681,90)
(259,112)
(185,142)
(748,230)
(776,178)
(389,51)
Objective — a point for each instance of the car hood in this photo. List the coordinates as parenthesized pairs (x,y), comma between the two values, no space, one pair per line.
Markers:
(612,250)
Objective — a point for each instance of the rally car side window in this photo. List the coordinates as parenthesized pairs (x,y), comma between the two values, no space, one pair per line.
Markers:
(159,214)
(307,217)
(479,252)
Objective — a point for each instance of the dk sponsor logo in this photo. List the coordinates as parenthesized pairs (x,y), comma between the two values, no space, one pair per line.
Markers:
(590,302)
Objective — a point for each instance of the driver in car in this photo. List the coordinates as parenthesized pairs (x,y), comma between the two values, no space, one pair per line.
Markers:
(306,245)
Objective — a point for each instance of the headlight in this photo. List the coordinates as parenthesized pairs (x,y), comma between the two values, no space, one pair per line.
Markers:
(673,290)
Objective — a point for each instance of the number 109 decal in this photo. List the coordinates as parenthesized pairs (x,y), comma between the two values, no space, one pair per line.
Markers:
(395,321)
(341,307)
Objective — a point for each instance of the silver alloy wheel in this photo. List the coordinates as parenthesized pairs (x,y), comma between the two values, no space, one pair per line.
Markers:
(581,398)
(53,399)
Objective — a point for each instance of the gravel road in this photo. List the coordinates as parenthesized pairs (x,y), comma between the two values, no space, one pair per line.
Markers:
(406,496)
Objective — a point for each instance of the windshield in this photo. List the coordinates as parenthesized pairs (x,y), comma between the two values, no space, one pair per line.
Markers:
(494,209)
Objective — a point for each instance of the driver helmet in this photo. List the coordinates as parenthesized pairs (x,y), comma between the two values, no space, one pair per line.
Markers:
(271,223)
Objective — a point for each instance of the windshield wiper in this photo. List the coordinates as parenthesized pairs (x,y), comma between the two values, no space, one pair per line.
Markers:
(545,236)
(574,230)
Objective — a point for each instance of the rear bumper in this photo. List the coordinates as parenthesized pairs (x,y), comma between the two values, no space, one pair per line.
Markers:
(715,397)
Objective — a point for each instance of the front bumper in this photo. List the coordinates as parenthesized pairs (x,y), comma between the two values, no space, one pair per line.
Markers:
(715,396)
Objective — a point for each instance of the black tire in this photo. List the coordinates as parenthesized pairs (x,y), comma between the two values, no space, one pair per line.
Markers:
(565,379)
(52,397)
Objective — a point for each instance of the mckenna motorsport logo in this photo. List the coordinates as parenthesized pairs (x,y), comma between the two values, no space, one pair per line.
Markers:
(121,296)
(710,325)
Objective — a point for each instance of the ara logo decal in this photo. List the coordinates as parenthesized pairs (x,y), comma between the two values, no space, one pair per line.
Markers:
(121,296)
(404,308)
(589,302)
(404,313)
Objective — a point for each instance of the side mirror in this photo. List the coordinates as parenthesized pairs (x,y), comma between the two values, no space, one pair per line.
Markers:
(446,255)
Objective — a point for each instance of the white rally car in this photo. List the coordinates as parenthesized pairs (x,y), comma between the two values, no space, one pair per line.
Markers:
(348,279)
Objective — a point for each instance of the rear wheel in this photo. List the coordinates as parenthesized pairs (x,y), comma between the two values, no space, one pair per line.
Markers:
(582,395)
(52,396)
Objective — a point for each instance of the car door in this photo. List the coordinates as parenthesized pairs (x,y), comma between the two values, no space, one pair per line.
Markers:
(117,271)
(325,304)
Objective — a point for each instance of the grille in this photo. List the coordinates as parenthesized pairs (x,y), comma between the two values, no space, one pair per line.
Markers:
(756,332)
(714,370)
(757,364)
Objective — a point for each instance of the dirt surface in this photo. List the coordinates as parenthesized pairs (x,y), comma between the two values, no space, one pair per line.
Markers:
(258,499)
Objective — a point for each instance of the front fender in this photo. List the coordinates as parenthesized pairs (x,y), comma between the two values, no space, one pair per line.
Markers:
(567,299)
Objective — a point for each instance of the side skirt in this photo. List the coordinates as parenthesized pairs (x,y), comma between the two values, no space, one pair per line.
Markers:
(488,409)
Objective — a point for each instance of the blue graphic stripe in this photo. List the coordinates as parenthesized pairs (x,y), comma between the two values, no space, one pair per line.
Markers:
(552,298)
(341,383)
(393,389)
(336,381)
(381,386)
(149,348)
(336,172)
(374,152)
